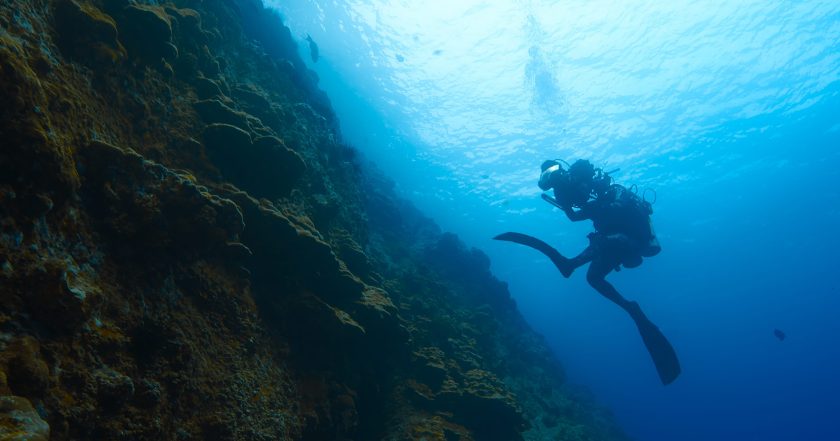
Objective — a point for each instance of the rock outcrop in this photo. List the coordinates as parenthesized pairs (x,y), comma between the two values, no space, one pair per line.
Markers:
(188,251)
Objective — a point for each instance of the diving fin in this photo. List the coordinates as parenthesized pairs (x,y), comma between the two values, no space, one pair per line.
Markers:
(661,352)
(560,261)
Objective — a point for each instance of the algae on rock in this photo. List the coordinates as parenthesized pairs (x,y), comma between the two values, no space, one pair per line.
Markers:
(189,251)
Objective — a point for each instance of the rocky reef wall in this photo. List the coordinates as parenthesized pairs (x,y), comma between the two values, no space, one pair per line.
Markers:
(189,251)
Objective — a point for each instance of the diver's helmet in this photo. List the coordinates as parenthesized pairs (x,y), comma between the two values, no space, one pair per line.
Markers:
(549,171)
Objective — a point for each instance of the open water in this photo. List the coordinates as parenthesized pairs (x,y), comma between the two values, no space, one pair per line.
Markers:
(729,111)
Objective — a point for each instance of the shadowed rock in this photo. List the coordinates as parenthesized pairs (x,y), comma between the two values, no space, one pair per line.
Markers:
(213,111)
(188,19)
(59,294)
(225,139)
(145,296)
(265,167)
(27,373)
(146,32)
(20,421)
(113,388)
(87,33)
(156,208)
(206,88)
(29,155)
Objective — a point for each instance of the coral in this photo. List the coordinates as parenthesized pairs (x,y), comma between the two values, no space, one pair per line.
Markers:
(28,148)
(228,268)
(28,374)
(206,89)
(253,100)
(151,208)
(427,427)
(113,389)
(4,386)
(265,167)
(431,367)
(146,32)
(188,19)
(148,393)
(87,33)
(352,253)
(221,139)
(58,293)
(20,422)
(486,404)
(214,111)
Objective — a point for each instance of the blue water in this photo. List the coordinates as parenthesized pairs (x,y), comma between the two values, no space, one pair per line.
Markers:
(728,110)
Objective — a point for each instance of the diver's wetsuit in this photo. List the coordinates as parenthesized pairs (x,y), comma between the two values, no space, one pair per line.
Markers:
(623,236)
(619,238)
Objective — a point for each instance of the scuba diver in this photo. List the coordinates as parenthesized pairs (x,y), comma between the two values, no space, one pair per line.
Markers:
(623,236)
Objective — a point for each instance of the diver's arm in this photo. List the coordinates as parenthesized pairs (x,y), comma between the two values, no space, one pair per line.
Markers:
(576,216)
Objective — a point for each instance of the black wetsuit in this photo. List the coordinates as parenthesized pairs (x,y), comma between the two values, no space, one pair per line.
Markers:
(621,229)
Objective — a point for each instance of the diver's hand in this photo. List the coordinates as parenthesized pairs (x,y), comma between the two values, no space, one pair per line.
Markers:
(575,216)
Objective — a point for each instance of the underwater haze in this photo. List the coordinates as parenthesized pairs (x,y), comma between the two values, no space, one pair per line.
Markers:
(726,113)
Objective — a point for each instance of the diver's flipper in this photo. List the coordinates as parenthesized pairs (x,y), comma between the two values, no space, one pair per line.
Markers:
(661,351)
(561,262)
(663,354)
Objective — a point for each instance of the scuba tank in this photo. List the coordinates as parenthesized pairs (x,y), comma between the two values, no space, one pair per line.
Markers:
(636,207)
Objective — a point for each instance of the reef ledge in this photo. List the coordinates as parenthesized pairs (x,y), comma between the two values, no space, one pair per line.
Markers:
(189,251)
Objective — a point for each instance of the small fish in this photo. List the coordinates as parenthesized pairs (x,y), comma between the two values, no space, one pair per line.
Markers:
(400,58)
(779,334)
(438,52)
(313,49)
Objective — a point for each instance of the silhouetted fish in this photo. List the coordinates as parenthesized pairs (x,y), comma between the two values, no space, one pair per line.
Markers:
(313,48)
(437,52)
(400,58)
(779,334)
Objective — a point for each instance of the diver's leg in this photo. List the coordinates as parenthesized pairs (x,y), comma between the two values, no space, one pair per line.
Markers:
(660,350)
(596,276)
(568,266)
(583,258)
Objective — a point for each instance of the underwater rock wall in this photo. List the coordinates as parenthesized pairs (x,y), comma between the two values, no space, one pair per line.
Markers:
(189,251)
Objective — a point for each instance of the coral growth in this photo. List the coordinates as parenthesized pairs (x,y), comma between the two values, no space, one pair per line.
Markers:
(188,251)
